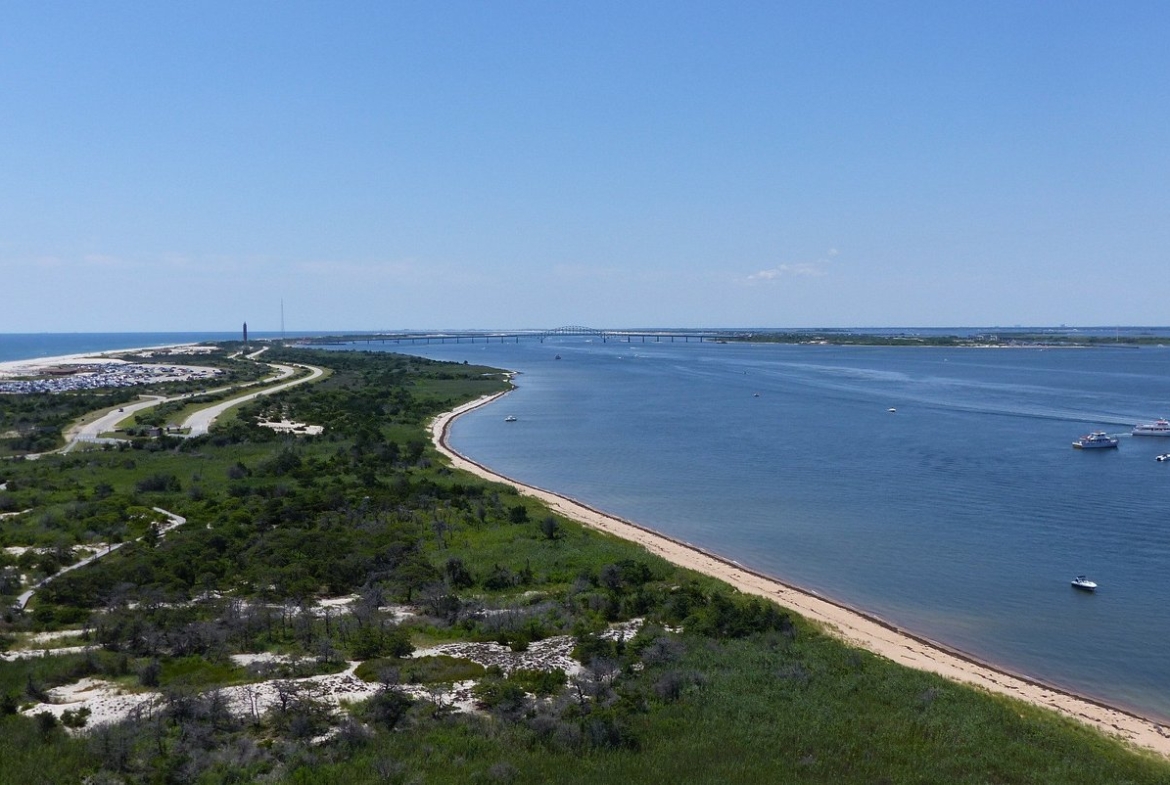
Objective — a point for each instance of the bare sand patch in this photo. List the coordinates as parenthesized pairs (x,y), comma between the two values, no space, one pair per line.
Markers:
(288,426)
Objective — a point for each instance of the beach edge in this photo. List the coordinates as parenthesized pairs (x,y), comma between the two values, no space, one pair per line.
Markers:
(852,626)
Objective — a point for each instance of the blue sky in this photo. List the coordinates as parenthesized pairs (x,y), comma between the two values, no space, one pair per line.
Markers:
(389,165)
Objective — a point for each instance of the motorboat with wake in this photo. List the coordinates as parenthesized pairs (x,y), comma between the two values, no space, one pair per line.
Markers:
(1096,440)
(1159,427)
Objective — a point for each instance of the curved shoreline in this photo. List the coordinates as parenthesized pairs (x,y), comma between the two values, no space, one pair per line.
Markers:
(848,624)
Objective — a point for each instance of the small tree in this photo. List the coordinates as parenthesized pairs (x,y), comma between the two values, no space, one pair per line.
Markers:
(46,722)
(458,576)
(387,708)
(550,527)
(148,674)
(75,719)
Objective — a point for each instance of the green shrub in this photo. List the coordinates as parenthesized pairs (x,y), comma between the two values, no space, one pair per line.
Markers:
(158,483)
(438,669)
(370,642)
(538,682)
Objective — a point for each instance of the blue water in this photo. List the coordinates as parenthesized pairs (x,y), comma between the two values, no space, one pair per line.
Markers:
(26,346)
(961,517)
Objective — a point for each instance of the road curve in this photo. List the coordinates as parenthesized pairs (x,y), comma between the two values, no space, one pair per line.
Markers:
(91,432)
(200,422)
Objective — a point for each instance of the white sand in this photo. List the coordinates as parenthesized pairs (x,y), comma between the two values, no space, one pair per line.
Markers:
(545,655)
(856,628)
(33,365)
(109,703)
(288,426)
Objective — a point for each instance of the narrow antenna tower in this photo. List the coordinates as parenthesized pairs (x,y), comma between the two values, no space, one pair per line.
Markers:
(282,321)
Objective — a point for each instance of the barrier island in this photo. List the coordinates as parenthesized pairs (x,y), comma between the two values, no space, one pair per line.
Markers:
(347,603)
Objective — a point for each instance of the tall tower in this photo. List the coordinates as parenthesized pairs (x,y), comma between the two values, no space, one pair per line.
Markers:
(245,333)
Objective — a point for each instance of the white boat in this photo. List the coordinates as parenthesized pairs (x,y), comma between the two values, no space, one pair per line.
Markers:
(510,418)
(1095,441)
(1163,457)
(1083,583)
(1155,428)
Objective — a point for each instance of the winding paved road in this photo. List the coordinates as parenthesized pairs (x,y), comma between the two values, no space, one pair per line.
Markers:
(200,422)
(91,432)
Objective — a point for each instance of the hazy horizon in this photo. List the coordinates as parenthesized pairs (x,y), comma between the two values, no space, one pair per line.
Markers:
(1102,328)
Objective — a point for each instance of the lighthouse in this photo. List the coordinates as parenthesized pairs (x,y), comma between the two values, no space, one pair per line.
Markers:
(245,333)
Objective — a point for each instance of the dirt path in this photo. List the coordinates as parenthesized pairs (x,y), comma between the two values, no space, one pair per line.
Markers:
(174,521)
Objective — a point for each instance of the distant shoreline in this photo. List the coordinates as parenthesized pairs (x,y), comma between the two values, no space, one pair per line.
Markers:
(848,624)
(33,364)
(957,338)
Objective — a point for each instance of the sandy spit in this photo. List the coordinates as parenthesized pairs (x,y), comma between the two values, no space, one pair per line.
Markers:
(849,625)
(37,364)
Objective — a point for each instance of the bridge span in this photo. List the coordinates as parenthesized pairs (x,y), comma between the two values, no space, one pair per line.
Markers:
(515,336)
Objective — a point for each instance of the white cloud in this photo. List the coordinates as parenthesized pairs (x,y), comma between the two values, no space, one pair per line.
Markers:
(797,270)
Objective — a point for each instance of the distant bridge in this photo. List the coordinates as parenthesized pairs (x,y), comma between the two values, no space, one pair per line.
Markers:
(514,336)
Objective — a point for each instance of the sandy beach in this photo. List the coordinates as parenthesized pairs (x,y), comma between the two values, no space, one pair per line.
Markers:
(32,365)
(854,627)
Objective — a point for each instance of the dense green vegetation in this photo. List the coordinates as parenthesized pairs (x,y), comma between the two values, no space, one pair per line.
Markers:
(33,423)
(713,687)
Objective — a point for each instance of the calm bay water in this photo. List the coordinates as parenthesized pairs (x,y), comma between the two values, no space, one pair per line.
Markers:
(962,516)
